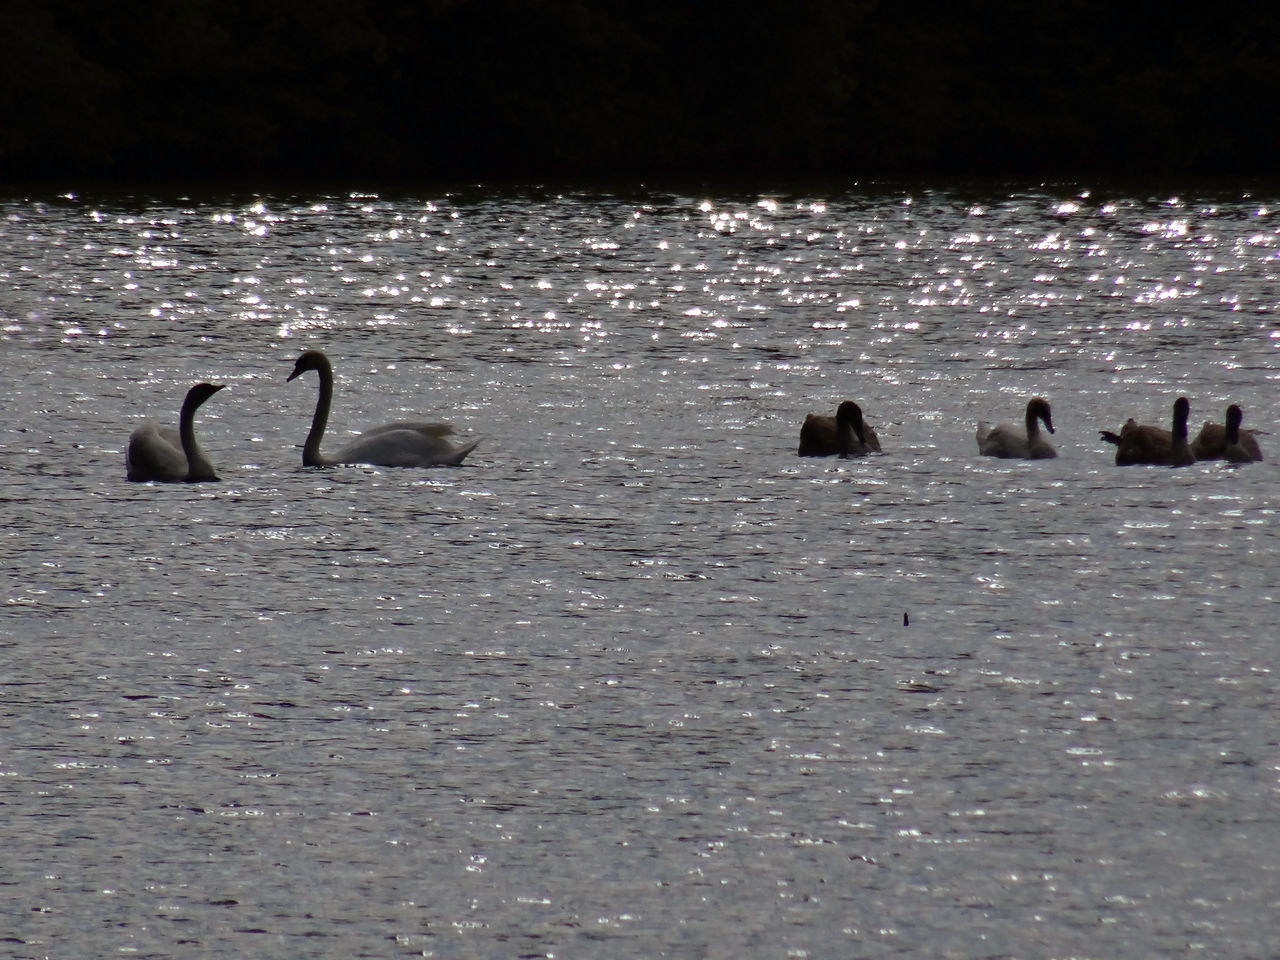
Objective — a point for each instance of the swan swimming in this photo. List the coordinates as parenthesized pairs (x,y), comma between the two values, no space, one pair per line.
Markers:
(1212,442)
(846,434)
(1146,444)
(399,444)
(1009,442)
(166,455)
(1236,451)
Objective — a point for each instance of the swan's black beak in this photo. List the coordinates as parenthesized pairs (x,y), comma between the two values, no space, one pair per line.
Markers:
(297,371)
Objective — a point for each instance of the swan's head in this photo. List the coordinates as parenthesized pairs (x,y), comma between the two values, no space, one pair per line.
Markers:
(850,414)
(1039,408)
(1181,410)
(200,393)
(310,360)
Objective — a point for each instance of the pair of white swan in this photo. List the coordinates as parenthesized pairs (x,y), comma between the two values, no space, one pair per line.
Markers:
(165,455)
(1146,444)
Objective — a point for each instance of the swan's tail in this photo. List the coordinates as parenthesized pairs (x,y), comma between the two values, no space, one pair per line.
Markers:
(459,454)
(1110,437)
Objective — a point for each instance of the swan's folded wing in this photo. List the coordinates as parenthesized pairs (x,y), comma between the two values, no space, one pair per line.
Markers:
(869,434)
(155,453)
(819,436)
(1144,443)
(1211,442)
(426,429)
(402,447)
(1010,443)
(999,441)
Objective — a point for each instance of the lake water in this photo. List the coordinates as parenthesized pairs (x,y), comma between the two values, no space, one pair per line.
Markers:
(635,681)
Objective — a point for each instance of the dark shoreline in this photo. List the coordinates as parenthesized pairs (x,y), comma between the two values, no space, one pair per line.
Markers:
(564,91)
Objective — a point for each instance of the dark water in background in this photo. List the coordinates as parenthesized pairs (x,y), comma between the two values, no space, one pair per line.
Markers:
(634,681)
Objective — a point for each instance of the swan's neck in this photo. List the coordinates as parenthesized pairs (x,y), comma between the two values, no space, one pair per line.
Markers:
(320,419)
(845,436)
(1179,433)
(1033,425)
(850,442)
(1233,432)
(199,470)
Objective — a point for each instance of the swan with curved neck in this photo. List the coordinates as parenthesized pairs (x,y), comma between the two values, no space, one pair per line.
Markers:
(1007,441)
(846,434)
(399,444)
(1211,443)
(166,455)
(1147,444)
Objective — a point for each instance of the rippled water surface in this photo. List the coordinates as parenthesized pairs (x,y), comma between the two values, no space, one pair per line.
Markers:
(635,681)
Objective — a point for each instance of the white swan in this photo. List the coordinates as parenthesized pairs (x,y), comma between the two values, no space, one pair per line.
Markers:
(846,434)
(1211,442)
(1154,445)
(1009,442)
(168,455)
(399,444)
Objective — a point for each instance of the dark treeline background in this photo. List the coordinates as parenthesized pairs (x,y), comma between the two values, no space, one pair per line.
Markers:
(238,90)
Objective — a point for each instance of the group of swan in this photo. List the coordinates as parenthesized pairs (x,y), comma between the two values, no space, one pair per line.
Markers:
(1144,443)
(848,435)
(173,456)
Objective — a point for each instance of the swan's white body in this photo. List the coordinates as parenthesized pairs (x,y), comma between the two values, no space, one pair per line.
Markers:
(166,455)
(846,434)
(399,444)
(1009,442)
